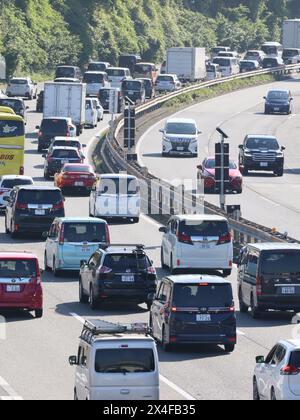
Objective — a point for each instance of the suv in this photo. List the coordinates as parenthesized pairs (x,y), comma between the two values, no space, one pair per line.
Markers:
(120,273)
(8,182)
(58,157)
(278,101)
(192,309)
(94,81)
(54,127)
(269,278)
(33,209)
(21,282)
(261,153)
(116,362)
(67,142)
(180,137)
(134,90)
(23,87)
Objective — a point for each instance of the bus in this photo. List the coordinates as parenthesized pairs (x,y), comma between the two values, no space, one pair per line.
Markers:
(12,144)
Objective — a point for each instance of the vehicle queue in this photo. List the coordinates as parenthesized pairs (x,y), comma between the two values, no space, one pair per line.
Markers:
(184,309)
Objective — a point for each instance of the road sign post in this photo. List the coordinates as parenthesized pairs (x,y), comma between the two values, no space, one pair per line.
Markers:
(222,168)
(129,130)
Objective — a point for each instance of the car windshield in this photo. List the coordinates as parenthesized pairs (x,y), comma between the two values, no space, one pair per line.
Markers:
(85,232)
(93,78)
(54,126)
(18,82)
(117,186)
(223,62)
(269,49)
(290,53)
(40,197)
(15,268)
(121,262)
(125,360)
(15,104)
(207,228)
(132,85)
(10,128)
(199,296)
(278,262)
(68,143)
(68,72)
(11,183)
(262,143)
(63,154)
(211,164)
(115,73)
(97,67)
(295,359)
(143,68)
(181,128)
(74,168)
(278,95)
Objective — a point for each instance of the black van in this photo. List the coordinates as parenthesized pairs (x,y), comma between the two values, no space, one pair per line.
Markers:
(269,278)
(134,90)
(129,61)
(70,72)
(194,309)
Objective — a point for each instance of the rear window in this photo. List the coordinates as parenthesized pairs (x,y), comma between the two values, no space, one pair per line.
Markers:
(17,268)
(68,72)
(132,85)
(40,197)
(97,67)
(15,104)
(122,262)
(124,361)
(10,128)
(54,126)
(295,359)
(211,296)
(223,62)
(247,65)
(65,154)
(252,54)
(115,73)
(66,143)
(93,78)
(18,82)
(74,168)
(119,186)
(281,262)
(270,62)
(11,183)
(143,68)
(205,228)
(165,79)
(85,232)
(290,53)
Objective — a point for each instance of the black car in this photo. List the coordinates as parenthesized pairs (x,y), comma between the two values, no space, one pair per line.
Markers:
(272,62)
(261,153)
(104,94)
(53,127)
(58,157)
(269,278)
(118,273)
(70,72)
(40,102)
(191,309)
(134,90)
(32,209)
(149,88)
(278,101)
(16,104)
(129,61)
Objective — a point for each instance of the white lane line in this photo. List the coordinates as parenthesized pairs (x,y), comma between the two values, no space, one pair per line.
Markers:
(12,394)
(175,387)
(239,332)
(270,201)
(11,399)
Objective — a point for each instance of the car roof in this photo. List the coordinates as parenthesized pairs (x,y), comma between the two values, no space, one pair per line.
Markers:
(118,68)
(123,338)
(110,88)
(275,246)
(37,188)
(80,220)
(279,90)
(67,139)
(260,136)
(94,72)
(200,217)
(145,63)
(64,148)
(168,75)
(294,343)
(17,255)
(20,78)
(181,120)
(117,176)
(196,279)
(78,165)
(119,249)
(4,116)
(57,118)
(4,177)
(249,61)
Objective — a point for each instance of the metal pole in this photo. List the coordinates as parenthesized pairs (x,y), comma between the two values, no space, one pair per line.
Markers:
(222,195)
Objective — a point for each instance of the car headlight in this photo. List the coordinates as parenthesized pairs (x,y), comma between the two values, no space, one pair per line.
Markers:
(248,155)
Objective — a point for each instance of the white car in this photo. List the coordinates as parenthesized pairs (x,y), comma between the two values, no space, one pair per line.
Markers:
(8,182)
(167,83)
(95,80)
(116,196)
(180,137)
(117,75)
(22,87)
(199,241)
(278,376)
(100,110)
(115,362)
(91,113)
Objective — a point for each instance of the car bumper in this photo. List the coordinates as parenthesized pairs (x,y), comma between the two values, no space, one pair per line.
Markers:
(196,263)
(203,339)
(292,304)
(35,225)
(270,166)
(278,108)
(131,295)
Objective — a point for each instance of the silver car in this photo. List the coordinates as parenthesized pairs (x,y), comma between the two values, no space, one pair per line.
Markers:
(22,87)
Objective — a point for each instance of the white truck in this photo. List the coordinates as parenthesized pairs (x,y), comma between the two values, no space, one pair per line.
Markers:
(188,63)
(291,33)
(66,100)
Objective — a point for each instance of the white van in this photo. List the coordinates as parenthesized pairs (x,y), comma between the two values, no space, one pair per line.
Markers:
(116,196)
(95,80)
(116,362)
(180,137)
(199,241)
(272,49)
(117,75)
(91,113)
(228,66)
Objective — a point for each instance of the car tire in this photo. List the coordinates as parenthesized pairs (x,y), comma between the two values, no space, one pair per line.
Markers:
(227,273)
(56,272)
(255,312)
(46,176)
(279,172)
(229,348)
(83,298)
(167,347)
(94,304)
(6,228)
(273,395)
(136,220)
(243,307)
(162,258)
(256,396)
(38,313)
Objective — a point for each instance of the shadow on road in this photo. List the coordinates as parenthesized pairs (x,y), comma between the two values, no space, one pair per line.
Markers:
(268,319)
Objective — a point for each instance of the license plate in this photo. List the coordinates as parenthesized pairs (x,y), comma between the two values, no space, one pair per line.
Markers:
(288,290)
(40,212)
(180,149)
(203,318)
(130,92)
(128,279)
(79,184)
(276,109)
(85,249)
(13,288)
(264,164)
(64,161)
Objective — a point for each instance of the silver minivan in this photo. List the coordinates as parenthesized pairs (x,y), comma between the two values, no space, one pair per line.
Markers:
(116,362)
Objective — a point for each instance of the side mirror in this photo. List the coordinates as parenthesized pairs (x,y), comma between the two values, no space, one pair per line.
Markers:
(73,361)
(200,167)
(83,263)
(241,146)
(45,235)
(260,360)
(163,230)
(283,148)
(37,127)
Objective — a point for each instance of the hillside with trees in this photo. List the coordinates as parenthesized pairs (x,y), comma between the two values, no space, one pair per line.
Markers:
(36,35)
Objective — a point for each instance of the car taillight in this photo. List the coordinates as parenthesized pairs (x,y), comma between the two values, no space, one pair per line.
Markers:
(289,370)
(50,159)
(58,206)
(224,239)
(3,191)
(105,270)
(21,171)
(184,239)
(259,281)
(62,235)
(151,270)
(107,234)
(20,206)
(40,134)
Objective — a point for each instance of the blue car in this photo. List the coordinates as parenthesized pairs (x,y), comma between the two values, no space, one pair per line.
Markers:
(72,240)
(278,101)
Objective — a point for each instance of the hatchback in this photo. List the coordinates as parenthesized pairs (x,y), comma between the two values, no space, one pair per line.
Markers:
(167,83)
(23,87)
(58,157)
(8,182)
(71,240)
(91,113)
(67,142)
(193,309)
(21,282)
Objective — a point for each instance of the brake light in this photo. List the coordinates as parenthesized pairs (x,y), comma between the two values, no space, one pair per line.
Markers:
(50,159)
(20,206)
(225,239)
(184,239)
(151,270)
(289,370)
(58,206)
(3,191)
(21,171)
(174,310)
(62,235)
(259,285)
(40,134)
(107,234)
(105,270)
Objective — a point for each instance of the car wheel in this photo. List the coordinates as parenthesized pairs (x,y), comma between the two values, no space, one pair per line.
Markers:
(56,272)
(256,396)
(6,228)
(279,172)
(92,299)
(255,312)
(229,348)
(243,307)
(162,258)
(165,344)
(136,220)
(83,298)
(273,395)
(38,313)
(227,273)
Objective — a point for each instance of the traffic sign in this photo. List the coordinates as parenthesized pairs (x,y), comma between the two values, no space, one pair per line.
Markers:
(113,101)
(222,171)
(129,128)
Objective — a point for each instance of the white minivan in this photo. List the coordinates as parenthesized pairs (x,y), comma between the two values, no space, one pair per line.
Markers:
(180,137)
(116,196)
(117,75)
(91,113)
(95,80)
(199,241)
(228,66)
(116,362)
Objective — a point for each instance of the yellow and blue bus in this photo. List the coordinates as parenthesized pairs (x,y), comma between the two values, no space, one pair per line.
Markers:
(12,144)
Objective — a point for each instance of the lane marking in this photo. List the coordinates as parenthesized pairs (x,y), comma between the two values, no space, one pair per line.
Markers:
(12,394)
(175,387)
(239,332)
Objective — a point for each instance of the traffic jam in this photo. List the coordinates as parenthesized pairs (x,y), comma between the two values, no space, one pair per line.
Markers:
(191,288)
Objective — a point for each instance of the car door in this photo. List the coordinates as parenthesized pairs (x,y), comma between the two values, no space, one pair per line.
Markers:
(262,374)
(166,243)
(51,244)
(249,277)
(159,311)
(9,208)
(82,374)
(86,275)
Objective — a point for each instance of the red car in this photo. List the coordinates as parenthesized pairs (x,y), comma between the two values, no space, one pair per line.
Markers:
(206,173)
(75,176)
(21,282)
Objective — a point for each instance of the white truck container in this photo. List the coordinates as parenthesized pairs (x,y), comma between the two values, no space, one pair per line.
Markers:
(188,63)
(291,33)
(66,100)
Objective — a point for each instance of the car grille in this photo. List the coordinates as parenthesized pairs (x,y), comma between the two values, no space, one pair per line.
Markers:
(181,143)
(264,157)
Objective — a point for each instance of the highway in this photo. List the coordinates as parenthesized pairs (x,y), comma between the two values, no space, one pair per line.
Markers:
(34,356)
(267,200)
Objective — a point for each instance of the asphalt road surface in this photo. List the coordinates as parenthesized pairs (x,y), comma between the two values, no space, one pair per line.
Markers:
(34,355)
